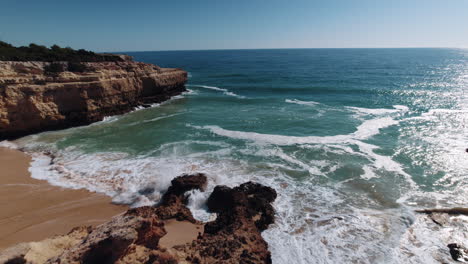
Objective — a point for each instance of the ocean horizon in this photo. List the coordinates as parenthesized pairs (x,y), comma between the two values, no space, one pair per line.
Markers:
(247,49)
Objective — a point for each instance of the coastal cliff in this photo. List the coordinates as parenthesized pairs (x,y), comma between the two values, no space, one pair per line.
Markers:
(139,235)
(34,100)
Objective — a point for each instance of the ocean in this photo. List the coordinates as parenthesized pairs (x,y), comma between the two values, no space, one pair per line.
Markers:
(353,141)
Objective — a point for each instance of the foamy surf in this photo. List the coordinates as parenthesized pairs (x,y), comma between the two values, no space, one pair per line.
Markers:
(8,144)
(378,111)
(141,180)
(366,130)
(225,91)
(299,102)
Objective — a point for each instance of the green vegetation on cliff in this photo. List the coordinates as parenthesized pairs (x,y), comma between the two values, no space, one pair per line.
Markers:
(35,52)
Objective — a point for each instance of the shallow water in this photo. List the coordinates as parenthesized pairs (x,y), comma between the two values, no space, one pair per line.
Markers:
(353,140)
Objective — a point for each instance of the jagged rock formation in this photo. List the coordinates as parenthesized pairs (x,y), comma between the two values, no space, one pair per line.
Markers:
(234,237)
(32,101)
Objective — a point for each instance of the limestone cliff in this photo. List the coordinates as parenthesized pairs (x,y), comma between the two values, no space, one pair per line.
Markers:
(32,101)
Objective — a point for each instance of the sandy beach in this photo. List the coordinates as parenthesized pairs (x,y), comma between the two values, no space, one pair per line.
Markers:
(32,209)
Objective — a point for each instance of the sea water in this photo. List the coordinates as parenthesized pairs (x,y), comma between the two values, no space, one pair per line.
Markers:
(353,140)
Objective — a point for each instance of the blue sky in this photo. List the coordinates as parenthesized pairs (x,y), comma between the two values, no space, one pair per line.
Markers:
(218,24)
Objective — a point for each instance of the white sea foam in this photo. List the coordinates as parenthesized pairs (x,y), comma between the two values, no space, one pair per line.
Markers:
(8,144)
(140,107)
(368,173)
(366,130)
(384,162)
(225,91)
(295,101)
(190,92)
(378,111)
(317,224)
(308,216)
(106,120)
(426,242)
(123,177)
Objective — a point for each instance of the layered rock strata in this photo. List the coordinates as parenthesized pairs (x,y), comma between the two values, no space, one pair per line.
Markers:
(242,212)
(32,100)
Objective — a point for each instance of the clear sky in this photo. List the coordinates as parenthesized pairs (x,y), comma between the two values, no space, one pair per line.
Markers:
(126,25)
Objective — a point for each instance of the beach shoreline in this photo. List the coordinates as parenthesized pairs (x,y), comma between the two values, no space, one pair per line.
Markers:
(33,209)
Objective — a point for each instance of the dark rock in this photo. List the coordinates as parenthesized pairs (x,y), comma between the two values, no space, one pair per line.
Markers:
(16,260)
(458,252)
(235,235)
(451,211)
(249,200)
(182,184)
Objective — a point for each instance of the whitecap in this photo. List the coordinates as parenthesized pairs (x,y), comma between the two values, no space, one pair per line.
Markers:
(378,111)
(225,91)
(372,127)
(8,144)
(366,130)
(190,92)
(295,101)
(368,173)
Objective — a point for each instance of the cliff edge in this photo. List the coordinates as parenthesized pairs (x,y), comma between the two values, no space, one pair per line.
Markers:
(33,99)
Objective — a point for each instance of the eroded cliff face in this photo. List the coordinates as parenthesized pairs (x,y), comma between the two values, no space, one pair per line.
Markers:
(32,101)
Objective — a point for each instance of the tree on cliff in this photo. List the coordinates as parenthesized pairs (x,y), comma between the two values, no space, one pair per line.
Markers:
(35,52)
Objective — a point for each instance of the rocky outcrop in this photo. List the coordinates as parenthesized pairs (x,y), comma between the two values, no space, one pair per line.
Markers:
(135,237)
(33,101)
(458,252)
(235,235)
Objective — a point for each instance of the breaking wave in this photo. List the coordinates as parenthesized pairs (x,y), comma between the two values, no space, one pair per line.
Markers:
(295,101)
(225,91)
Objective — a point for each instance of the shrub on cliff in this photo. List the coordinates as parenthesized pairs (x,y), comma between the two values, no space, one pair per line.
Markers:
(35,52)
(77,67)
(53,69)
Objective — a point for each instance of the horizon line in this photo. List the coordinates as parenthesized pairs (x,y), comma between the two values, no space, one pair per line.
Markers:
(227,49)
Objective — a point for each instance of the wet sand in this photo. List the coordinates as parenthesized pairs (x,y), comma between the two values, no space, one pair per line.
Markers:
(32,210)
(179,232)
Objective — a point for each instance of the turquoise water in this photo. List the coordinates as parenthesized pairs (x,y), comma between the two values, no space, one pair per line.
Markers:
(353,140)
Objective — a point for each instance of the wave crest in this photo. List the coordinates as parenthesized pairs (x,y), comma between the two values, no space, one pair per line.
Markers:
(225,91)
